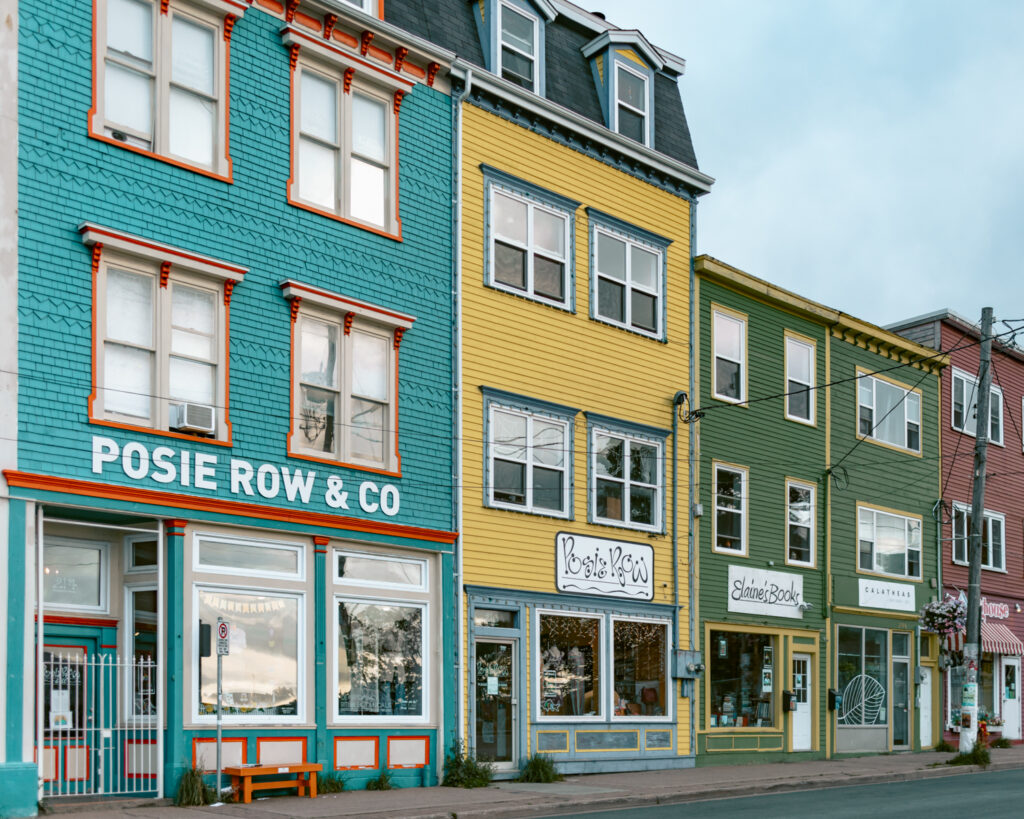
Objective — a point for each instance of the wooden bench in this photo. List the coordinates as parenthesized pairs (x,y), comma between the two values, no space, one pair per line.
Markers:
(243,785)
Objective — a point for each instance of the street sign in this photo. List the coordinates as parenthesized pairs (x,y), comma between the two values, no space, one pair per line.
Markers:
(223,632)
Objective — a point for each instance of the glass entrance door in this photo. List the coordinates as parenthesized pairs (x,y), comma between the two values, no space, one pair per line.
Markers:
(901,687)
(496,702)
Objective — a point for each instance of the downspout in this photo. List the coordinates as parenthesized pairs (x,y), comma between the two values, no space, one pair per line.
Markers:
(690,473)
(457,518)
(677,403)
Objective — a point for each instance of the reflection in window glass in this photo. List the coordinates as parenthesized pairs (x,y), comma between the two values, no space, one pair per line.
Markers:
(73,575)
(247,557)
(863,676)
(393,572)
(742,680)
(143,678)
(261,674)
(494,618)
(570,677)
(380,659)
(639,669)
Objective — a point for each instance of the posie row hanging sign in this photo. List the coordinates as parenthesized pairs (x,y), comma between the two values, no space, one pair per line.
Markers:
(610,568)
(203,470)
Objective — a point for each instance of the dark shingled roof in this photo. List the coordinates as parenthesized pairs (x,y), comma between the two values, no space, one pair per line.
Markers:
(568,76)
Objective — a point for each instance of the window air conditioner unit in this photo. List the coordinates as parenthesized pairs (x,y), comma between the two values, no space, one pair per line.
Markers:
(193,418)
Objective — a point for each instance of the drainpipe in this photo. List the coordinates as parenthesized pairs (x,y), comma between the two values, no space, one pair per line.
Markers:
(457,100)
(677,403)
(690,466)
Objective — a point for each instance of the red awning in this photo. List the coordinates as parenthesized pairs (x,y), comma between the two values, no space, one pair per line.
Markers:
(998,639)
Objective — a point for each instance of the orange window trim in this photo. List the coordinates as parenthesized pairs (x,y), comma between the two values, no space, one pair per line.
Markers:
(261,740)
(206,740)
(131,494)
(426,755)
(376,753)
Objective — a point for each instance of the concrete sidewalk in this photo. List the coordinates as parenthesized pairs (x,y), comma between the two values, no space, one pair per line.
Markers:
(505,800)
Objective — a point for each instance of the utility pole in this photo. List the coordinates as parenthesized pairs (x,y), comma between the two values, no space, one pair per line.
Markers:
(972,649)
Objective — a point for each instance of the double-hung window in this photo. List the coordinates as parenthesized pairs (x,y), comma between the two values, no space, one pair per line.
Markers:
(627,274)
(888,413)
(160,354)
(729,354)
(529,239)
(965,407)
(800,515)
(519,45)
(627,472)
(529,455)
(730,521)
(344,379)
(799,379)
(631,117)
(161,84)
(993,547)
(889,543)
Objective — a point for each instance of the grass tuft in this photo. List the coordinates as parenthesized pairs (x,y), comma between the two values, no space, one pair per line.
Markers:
(193,790)
(539,769)
(464,771)
(329,783)
(979,756)
(381,783)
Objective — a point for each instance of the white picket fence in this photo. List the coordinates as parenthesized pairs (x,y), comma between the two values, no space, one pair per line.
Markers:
(99,731)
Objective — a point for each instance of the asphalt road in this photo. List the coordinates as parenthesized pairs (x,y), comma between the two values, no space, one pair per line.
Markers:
(977,796)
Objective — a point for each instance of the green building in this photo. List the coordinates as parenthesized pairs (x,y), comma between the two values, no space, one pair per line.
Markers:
(815,475)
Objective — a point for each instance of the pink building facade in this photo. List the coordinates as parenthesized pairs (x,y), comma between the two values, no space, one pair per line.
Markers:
(1002,576)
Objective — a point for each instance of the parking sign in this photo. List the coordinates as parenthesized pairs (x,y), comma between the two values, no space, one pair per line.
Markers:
(223,631)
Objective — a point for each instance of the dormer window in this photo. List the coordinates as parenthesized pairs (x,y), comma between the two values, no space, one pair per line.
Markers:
(518,47)
(631,104)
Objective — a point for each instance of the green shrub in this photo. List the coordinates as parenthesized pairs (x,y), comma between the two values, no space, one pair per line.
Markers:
(381,783)
(979,756)
(329,783)
(193,790)
(464,771)
(539,769)
(945,748)
(1000,742)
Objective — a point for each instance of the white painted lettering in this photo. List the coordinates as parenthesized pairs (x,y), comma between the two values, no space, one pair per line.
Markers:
(206,470)
(389,500)
(162,461)
(128,455)
(268,482)
(334,496)
(241,476)
(104,451)
(186,475)
(297,484)
(365,488)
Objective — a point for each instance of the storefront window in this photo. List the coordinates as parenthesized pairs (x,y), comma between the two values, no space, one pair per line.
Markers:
(74,575)
(261,672)
(570,678)
(380,659)
(742,674)
(143,676)
(986,690)
(863,676)
(639,668)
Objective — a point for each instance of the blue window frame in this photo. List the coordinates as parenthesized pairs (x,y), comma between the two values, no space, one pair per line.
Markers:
(628,274)
(529,236)
(528,460)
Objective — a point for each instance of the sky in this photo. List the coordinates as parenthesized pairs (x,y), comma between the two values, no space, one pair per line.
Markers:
(868,154)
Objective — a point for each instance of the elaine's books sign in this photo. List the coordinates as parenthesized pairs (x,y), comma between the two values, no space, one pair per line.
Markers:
(876,594)
(760,591)
(610,568)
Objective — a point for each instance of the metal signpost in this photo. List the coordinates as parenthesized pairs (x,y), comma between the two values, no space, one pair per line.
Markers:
(223,647)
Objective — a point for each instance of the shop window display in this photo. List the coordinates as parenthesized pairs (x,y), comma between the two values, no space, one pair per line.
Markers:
(986,691)
(742,680)
(639,668)
(863,676)
(570,654)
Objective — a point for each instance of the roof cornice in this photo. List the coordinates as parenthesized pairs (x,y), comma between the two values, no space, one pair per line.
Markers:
(570,120)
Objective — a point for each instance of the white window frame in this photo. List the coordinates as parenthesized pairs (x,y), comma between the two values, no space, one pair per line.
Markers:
(209,13)
(616,102)
(423,563)
(530,249)
(129,553)
(719,466)
(807,344)
(812,536)
(907,521)
(726,314)
(867,378)
(598,227)
(628,439)
(198,538)
(364,83)
(366,6)
(969,384)
(669,714)
(501,44)
(604,690)
(427,661)
(103,547)
(566,469)
(129,631)
(961,511)
(297,594)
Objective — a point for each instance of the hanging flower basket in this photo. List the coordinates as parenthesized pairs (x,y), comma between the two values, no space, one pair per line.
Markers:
(946,617)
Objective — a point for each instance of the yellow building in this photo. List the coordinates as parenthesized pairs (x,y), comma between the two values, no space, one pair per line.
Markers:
(577,186)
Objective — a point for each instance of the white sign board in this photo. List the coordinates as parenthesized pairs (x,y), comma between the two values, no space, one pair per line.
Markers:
(760,591)
(877,594)
(610,568)
(223,636)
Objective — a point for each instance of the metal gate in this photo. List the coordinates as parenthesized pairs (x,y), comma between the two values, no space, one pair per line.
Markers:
(99,732)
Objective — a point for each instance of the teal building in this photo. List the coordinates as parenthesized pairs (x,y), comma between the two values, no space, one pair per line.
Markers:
(228,387)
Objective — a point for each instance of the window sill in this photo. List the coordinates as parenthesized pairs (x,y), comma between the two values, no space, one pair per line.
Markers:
(376,470)
(166,433)
(212,174)
(522,294)
(648,530)
(903,577)
(802,421)
(531,512)
(740,402)
(733,552)
(395,234)
(916,453)
(660,338)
